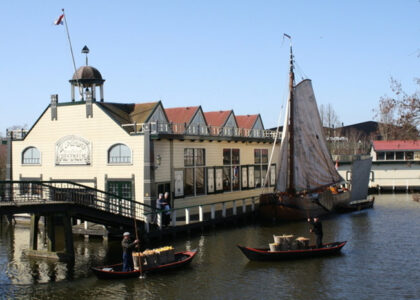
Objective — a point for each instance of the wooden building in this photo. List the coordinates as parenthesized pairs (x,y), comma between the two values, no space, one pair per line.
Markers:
(138,150)
(396,165)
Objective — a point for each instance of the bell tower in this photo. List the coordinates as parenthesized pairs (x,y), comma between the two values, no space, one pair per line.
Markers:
(85,80)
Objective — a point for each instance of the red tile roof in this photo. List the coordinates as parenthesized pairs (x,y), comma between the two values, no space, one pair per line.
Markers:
(180,115)
(396,145)
(246,121)
(217,118)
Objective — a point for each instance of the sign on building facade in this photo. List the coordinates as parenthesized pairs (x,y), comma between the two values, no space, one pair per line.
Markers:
(72,150)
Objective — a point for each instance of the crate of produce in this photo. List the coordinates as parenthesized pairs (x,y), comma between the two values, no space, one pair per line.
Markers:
(150,258)
(274,247)
(302,243)
(136,257)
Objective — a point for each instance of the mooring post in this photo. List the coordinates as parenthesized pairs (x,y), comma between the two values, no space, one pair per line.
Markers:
(174,218)
(201,213)
(50,233)
(68,235)
(187,216)
(33,236)
(86,226)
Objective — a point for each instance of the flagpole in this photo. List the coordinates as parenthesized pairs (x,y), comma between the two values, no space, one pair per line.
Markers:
(71,51)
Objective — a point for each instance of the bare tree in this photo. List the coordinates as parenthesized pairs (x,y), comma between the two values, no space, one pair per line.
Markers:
(349,142)
(329,117)
(399,116)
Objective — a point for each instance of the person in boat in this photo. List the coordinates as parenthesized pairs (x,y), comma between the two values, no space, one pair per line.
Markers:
(317,229)
(128,247)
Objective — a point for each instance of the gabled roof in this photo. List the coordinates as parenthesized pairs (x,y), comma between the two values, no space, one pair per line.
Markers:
(396,145)
(180,115)
(129,113)
(246,121)
(217,118)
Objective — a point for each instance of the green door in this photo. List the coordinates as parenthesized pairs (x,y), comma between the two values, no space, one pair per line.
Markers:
(122,189)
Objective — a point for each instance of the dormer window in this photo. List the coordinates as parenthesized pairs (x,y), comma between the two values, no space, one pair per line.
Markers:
(31,156)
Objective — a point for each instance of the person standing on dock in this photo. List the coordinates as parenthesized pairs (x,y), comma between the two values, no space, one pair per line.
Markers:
(317,229)
(165,204)
(128,264)
(158,207)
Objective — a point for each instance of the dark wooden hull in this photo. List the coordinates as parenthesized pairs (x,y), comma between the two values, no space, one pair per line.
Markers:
(264,254)
(181,259)
(357,205)
(276,206)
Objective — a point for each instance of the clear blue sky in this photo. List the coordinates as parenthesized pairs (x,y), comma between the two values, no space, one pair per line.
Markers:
(218,54)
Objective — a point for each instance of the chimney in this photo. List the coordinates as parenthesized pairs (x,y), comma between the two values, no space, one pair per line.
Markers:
(89,100)
(54,102)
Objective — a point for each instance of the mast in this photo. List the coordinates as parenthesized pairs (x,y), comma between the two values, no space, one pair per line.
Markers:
(291,180)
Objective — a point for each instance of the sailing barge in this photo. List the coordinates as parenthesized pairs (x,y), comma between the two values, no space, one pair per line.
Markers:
(308,184)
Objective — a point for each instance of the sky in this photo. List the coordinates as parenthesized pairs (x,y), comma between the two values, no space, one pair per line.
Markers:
(221,55)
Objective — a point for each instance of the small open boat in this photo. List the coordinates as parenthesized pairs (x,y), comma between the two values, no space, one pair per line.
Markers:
(115,271)
(264,254)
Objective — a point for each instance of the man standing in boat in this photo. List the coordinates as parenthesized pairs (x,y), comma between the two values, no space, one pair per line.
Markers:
(128,264)
(317,229)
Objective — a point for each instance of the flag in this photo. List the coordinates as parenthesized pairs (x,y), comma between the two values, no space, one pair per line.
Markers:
(59,21)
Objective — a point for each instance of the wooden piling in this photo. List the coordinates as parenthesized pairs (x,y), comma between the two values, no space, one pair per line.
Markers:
(33,236)
(68,235)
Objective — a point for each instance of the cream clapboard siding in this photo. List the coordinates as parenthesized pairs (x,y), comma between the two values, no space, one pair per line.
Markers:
(388,175)
(101,131)
(395,175)
(162,172)
(214,157)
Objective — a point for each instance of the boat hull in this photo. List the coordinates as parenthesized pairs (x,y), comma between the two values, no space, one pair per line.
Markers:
(289,208)
(181,259)
(263,254)
(357,205)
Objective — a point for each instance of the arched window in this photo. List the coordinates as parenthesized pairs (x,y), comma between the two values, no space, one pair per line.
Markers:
(119,154)
(31,156)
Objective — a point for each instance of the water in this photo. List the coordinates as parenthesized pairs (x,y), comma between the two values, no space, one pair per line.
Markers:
(380,261)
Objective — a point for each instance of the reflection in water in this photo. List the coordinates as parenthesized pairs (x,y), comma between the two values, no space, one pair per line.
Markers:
(379,261)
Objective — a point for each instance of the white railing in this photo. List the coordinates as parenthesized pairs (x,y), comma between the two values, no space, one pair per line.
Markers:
(204,212)
(199,130)
(17,134)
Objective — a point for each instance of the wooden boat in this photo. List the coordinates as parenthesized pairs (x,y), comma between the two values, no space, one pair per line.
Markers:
(264,254)
(308,183)
(357,205)
(115,271)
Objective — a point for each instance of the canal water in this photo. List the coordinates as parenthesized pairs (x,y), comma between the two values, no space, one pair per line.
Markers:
(380,261)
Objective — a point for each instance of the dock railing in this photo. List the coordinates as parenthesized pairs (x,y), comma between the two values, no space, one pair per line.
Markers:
(50,192)
(200,213)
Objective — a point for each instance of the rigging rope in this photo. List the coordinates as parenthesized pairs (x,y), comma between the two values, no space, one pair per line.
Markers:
(279,121)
